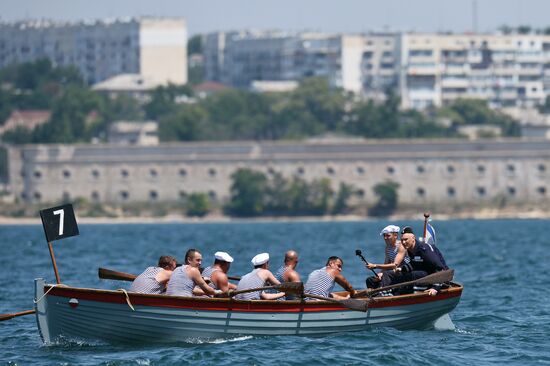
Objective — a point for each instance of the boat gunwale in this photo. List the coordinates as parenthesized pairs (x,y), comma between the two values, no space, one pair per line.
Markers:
(231,304)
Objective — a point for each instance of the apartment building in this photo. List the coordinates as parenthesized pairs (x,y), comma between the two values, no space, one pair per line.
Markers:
(154,48)
(425,69)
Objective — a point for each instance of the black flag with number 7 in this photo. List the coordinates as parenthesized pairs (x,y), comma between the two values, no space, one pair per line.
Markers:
(59,222)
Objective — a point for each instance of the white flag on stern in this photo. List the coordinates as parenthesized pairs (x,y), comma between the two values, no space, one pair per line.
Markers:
(430,235)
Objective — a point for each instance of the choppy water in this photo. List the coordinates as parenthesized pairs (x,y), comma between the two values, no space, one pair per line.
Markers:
(503,317)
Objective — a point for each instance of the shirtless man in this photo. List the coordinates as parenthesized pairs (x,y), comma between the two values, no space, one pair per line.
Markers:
(154,279)
(321,281)
(259,277)
(186,277)
(217,273)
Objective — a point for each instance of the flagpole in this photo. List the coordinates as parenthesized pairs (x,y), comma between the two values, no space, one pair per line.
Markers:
(426,217)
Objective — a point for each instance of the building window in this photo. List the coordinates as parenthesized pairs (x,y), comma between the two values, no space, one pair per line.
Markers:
(212,172)
(183,195)
(420,169)
(542,191)
(300,170)
(270,170)
(360,193)
(541,168)
(153,173)
(212,195)
(153,195)
(390,170)
(480,191)
(95,173)
(451,192)
(330,170)
(66,197)
(95,196)
(124,195)
(481,169)
(511,191)
(360,170)
(510,168)
(38,174)
(124,173)
(37,196)
(66,174)
(450,169)
(183,172)
(420,192)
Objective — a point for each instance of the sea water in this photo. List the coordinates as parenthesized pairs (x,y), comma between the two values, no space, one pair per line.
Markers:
(502,318)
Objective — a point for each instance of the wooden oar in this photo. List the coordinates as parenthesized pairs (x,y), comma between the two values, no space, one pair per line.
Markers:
(437,277)
(286,287)
(13,315)
(353,304)
(109,274)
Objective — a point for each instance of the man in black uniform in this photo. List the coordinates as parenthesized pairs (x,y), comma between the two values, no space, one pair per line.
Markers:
(425,259)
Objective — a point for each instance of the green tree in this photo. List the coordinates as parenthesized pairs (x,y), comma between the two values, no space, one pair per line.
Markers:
(387,199)
(248,193)
(194,45)
(341,203)
(163,100)
(188,124)
(197,204)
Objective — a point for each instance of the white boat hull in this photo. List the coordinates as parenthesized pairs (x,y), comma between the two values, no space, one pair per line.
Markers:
(106,315)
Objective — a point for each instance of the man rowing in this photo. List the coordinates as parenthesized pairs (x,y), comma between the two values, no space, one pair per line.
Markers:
(287,272)
(425,259)
(321,282)
(395,255)
(217,273)
(259,277)
(185,278)
(154,279)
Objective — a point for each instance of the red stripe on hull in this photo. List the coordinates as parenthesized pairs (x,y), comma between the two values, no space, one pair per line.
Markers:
(230,305)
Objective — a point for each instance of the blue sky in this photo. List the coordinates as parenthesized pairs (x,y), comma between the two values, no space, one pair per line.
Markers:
(318,15)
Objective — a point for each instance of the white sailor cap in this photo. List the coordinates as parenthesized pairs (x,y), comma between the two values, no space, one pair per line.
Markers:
(223,256)
(260,259)
(390,229)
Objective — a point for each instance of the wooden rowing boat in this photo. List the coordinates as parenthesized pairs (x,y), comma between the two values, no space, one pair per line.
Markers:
(117,316)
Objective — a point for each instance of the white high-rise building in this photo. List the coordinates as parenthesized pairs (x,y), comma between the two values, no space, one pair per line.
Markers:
(155,48)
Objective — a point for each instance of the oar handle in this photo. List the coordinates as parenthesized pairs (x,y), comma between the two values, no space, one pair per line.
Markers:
(364,260)
(437,277)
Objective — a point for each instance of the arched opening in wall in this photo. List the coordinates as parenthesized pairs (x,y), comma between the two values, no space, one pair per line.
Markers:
(360,170)
(450,169)
(481,192)
(541,168)
(360,193)
(271,171)
(182,173)
(124,195)
(182,195)
(37,196)
(451,192)
(124,173)
(153,195)
(420,169)
(95,196)
(330,170)
(510,169)
(300,170)
(212,172)
(66,173)
(153,173)
(421,192)
(480,169)
(212,195)
(95,173)
(511,191)
(37,174)
(541,191)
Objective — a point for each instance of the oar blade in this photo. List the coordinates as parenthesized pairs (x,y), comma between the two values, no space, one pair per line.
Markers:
(109,274)
(437,277)
(355,304)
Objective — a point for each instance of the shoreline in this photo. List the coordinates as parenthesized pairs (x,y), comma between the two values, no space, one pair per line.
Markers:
(489,214)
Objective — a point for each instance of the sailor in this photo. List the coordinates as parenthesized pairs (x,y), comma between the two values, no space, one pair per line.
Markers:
(395,254)
(153,280)
(287,272)
(259,277)
(217,273)
(425,259)
(186,277)
(321,281)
